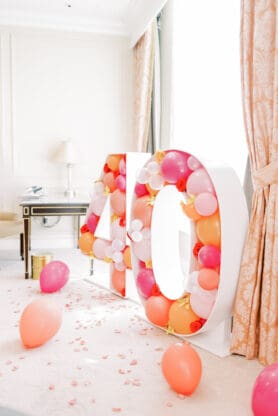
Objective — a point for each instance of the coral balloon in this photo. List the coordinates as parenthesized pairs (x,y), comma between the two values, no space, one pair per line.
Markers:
(208,230)
(157,310)
(117,201)
(182,368)
(86,242)
(209,256)
(113,162)
(202,302)
(174,166)
(92,222)
(39,322)
(118,281)
(190,211)
(206,204)
(181,316)
(127,257)
(198,182)
(265,392)
(109,180)
(208,279)
(145,281)
(54,276)
(142,210)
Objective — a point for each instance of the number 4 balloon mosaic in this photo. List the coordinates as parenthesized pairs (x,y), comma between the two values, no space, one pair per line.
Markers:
(211,200)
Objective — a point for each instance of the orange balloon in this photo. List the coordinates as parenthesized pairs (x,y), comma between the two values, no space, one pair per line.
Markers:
(113,162)
(157,310)
(190,211)
(86,242)
(208,230)
(108,180)
(118,281)
(181,316)
(142,210)
(127,257)
(182,368)
(39,322)
(208,279)
(117,201)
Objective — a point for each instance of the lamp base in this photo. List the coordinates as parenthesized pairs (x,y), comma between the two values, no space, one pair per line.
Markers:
(70,193)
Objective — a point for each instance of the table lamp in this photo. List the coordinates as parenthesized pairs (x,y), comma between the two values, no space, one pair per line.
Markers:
(66,153)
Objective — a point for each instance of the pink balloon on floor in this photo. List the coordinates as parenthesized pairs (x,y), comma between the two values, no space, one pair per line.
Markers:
(198,182)
(54,276)
(39,322)
(265,392)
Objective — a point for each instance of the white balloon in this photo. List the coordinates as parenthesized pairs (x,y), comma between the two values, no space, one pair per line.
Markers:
(117,257)
(136,236)
(143,176)
(156,182)
(136,225)
(120,266)
(117,245)
(153,167)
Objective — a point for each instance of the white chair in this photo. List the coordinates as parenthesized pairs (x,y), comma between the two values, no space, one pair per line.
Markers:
(10,225)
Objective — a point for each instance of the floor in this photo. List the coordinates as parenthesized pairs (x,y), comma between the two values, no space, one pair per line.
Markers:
(105,359)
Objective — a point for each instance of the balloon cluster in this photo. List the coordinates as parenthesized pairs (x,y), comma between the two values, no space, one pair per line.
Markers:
(115,252)
(176,168)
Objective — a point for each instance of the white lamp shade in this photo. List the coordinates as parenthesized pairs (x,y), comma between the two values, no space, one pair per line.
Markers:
(66,153)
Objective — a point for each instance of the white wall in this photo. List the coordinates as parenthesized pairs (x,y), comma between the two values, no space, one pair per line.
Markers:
(55,85)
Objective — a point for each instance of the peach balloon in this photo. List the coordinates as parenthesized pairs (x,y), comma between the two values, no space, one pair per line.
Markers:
(118,281)
(208,279)
(157,310)
(108,180)
(113,162)
(127,257)
(39,322)
(142,210)
(181,316)
(182,368)
(208,230)
(117,201)
(86,242)
(190,211)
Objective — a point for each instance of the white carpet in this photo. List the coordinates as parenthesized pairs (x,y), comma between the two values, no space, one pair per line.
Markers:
(104,359)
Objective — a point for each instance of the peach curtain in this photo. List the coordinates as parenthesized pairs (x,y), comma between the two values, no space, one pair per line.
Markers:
(255,329)
(143,80)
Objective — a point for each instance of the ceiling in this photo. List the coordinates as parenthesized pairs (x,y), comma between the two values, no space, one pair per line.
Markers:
(120,17)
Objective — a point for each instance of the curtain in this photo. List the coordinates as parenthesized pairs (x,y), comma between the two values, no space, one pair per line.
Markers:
(255,329)
(144,65)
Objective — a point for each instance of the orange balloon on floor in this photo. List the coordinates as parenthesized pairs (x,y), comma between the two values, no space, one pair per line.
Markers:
(39,322)
(208,230)
(142,210)
(157,310)
(182,368)
(118,281)
(181,316)
(86,242)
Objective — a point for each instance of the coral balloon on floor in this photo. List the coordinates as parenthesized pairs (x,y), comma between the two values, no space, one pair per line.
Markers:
(265,392)
(54,276)
(182,368)
(39,322)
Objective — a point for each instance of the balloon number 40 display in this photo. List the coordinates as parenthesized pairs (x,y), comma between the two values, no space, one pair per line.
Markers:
(187,228)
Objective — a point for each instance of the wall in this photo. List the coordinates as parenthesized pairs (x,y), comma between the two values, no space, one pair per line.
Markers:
(55,85)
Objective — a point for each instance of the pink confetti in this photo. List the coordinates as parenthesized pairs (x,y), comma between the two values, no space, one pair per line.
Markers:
(22,357)
(51,387)
(104,357)
(116,409)
(158,349)
(169,404)
(122,356)
(72,402)
(74,383)
(117,331)
(14,368)
(133,362)
(8,362)
(93,400)
(120,371)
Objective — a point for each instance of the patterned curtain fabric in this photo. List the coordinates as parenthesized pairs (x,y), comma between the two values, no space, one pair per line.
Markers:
(144,63)
(255,329)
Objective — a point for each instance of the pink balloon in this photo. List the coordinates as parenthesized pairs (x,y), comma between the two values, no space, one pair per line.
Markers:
(142,249)
(121,183)
(117,201)
(92,222)
(117,231)
(99,247)
(198,182)
(97,204)
(122,167)
(193,163)
(54,276)
(202,301)
(265,392)
(140,189)
(145,281)
(205,204)
(174,166)
(209,256)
